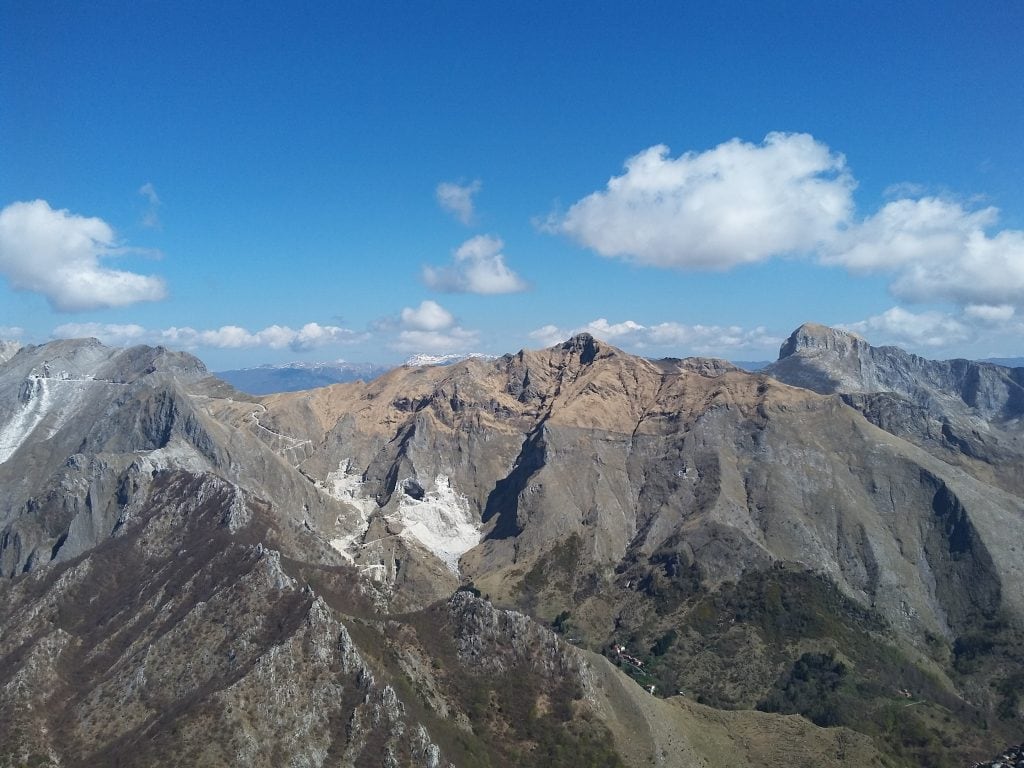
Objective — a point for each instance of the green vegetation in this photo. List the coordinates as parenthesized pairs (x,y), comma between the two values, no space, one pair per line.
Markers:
(660,648)
(812,689)
(560,621)
(787,641)
(522,715)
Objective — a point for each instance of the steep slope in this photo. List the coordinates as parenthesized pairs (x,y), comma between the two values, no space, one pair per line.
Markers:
(625,493)
(170,594)
(966,412)
(84,428)
(626,458)
(8,350)
(706,529)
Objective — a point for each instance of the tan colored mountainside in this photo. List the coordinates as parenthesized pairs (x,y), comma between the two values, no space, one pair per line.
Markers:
(180,559)
(627,454)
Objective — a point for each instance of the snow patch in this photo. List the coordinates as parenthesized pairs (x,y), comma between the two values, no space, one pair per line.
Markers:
(441,522)
(420,360)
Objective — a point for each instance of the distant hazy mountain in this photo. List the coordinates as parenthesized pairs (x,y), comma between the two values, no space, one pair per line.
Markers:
(1009,362)
(751,365)
(293,377)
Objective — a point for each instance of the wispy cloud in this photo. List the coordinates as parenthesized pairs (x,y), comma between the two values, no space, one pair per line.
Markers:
(457,199)
(671,336)
(151,216)
(904,328)
(989,314)
(479,267)
(309,336)
(57,254)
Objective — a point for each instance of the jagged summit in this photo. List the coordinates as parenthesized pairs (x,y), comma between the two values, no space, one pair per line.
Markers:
(585,345)
(974,409)
(718,522)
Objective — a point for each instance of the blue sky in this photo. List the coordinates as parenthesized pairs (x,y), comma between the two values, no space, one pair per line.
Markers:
(263,182)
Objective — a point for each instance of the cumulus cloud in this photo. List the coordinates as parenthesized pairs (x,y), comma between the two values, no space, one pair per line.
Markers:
(454,339)
(937,250)
(737,203)
(904,328)
(699,339)
(151,216)
(430,328)
(741,202)
(57,254)
(428,316)
(309,336)
(479,267)
(457,199)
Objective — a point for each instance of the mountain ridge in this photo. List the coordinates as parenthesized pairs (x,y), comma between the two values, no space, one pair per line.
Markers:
(669,506)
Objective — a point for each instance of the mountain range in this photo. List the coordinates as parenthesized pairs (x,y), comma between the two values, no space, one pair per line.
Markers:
(297,376)
(571,556)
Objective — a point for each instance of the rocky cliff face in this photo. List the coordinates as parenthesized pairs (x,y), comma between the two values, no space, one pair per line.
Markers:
(621,460)
(182,559)
(964,412)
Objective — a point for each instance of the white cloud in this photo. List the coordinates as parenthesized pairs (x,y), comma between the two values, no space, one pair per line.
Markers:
(430,328)
(986,313)
(428,316)
(309,336)
(734,204)
(114,334)
(151,217)
(479,268)
(698,339)
(8,332)
(907,231)
(57,254)
(903,328)
(454,339)
(904,189)
(740,203)
(937,250)
(549,335)
(457,199)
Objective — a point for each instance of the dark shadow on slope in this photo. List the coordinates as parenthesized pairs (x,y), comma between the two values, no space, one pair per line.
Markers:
(503,501)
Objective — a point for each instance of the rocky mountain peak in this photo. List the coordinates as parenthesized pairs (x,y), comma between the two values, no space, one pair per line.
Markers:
(813,336)
(72,358)
(585,345)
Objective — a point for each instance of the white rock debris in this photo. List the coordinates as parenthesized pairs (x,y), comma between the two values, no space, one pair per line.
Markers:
(346,484)
(441,522)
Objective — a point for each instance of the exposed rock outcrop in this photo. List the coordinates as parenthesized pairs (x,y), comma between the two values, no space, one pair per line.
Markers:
(278,571)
